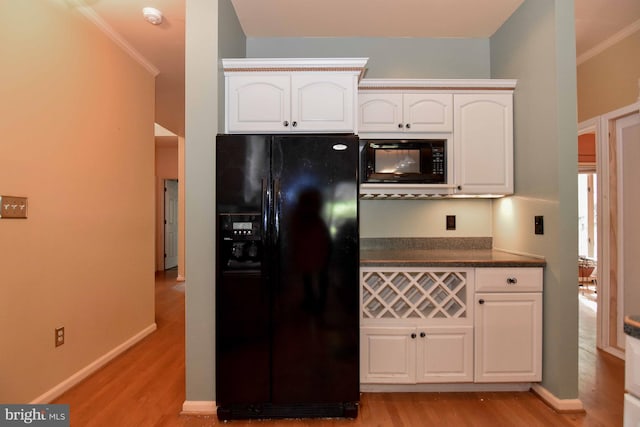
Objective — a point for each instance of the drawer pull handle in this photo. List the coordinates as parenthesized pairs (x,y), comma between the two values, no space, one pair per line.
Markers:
(512,280)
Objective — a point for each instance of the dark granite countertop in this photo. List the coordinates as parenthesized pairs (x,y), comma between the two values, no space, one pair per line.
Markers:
(447,257)
(460,252)
(632,326)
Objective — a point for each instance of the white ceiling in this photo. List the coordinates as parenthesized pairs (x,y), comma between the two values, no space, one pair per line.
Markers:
(373,18)
(162,46)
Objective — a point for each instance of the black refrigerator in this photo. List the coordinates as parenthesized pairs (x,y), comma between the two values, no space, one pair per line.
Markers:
(287,299)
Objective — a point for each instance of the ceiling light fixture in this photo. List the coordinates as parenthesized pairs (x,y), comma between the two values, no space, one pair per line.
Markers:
(152,15)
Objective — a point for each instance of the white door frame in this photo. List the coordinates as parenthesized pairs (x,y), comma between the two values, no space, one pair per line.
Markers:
(606,134)
(629,120)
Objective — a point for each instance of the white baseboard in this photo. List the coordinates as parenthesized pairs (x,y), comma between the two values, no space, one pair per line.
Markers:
(560,405)
(199,407)
(83,373)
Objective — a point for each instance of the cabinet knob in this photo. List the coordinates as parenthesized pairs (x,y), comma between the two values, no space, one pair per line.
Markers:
(294,124)
(400,125)
(512,280)
(459,187)
(422,335)
(408,126)
(481,301)
(413,335)
(285,123)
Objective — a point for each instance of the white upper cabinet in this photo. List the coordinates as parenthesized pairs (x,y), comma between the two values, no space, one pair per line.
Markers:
(405,112)
(474,116)
(483,143)
(380,112)
(323,102)
(291,95)
(428,112)
(257,105)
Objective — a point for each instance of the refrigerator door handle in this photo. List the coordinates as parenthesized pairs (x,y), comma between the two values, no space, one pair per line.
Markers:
(265,209)
(276,210)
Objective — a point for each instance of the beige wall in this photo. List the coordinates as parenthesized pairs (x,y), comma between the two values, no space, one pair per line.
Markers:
(166,168)
(609,80)
(425,218)
(76,118)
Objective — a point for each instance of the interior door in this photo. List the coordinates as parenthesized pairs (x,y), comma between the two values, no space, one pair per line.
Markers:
(170,223)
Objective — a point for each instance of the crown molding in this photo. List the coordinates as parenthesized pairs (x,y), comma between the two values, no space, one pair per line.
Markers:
(601,47)
(437,84)
(341,65)
(107,29)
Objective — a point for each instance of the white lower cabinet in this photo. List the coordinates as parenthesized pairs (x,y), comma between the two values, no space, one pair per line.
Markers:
(427,325)
(387,355)
(445,355)
(508,325)
(508,337)
(411,355)
(417,325)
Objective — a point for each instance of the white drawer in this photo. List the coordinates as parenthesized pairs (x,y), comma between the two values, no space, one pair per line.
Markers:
(504,279)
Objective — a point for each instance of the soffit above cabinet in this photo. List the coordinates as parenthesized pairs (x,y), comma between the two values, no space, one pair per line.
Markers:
(451,85)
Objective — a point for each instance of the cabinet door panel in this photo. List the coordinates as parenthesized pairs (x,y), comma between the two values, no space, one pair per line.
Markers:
(428,112)
(258,105)
(483,143)
(388,355)
(445,355)
(380,112)
(508,337)
(322,102)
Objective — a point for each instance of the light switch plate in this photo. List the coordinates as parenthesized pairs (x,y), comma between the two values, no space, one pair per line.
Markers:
(13,207)
(538,224)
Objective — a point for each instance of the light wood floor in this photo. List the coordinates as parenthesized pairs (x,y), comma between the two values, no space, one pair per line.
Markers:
(145,387)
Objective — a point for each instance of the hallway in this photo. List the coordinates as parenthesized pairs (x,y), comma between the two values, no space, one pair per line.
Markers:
(145,387)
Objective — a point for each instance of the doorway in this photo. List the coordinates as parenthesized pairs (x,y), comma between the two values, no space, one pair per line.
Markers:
(170,223)
(587,236)
(587,232)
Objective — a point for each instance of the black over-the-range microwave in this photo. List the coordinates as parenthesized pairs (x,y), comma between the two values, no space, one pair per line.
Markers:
(410,161)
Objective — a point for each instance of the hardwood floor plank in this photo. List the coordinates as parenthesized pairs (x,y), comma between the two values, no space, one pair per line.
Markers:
(145,387)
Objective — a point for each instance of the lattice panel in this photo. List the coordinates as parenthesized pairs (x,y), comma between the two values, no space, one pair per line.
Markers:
(414,294)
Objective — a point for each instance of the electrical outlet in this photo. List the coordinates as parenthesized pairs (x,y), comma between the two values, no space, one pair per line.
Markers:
(451,222)
(59,336)
(13,207)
